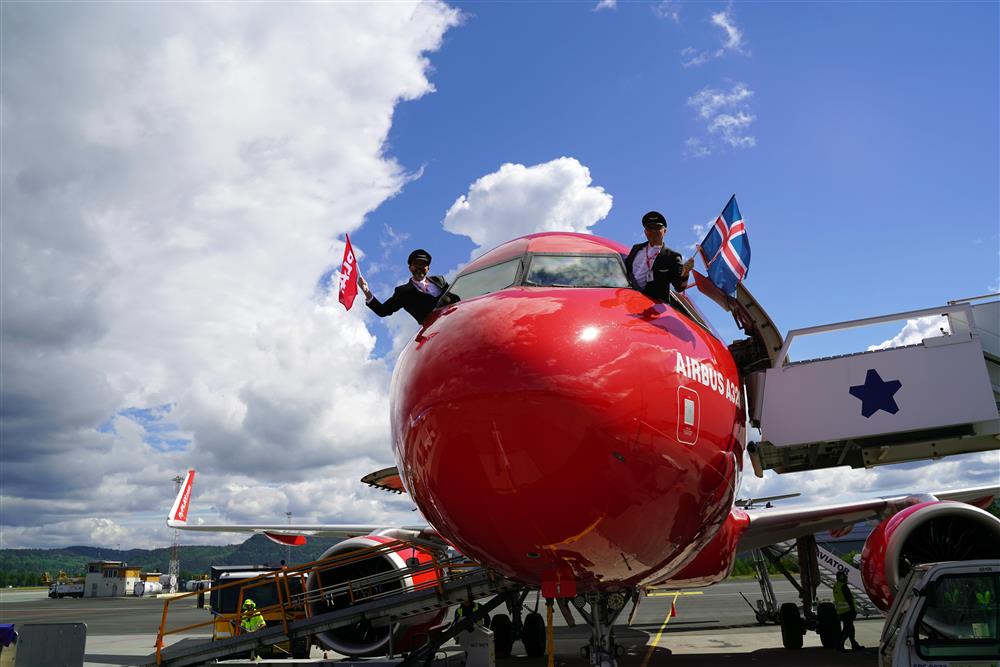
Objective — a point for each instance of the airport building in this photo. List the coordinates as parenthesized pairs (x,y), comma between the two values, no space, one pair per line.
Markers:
(110,578)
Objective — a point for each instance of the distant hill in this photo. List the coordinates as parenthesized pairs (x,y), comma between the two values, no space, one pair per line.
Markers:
(24,567)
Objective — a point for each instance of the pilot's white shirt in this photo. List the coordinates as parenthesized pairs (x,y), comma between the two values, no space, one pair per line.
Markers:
(427,287)
(642,265)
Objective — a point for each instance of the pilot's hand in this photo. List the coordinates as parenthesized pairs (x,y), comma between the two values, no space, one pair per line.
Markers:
(363,284)
(688,265)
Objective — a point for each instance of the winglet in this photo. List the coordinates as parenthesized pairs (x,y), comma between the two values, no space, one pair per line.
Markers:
(179,512)
(285,539)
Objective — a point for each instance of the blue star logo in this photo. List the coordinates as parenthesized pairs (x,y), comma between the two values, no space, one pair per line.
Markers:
(876,394)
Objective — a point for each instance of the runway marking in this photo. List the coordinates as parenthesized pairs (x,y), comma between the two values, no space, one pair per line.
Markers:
(656,641)
(674,594)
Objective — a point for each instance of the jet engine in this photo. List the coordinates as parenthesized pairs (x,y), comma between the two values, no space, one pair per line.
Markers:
(366,638)
(928,532)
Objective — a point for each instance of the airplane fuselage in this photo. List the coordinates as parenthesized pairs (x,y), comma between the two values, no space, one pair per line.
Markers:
(554,432)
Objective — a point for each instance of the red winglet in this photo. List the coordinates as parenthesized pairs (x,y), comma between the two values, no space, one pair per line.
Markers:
(287,540)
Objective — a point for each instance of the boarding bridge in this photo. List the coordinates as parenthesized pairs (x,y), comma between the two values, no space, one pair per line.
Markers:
(458,580)
(936,398)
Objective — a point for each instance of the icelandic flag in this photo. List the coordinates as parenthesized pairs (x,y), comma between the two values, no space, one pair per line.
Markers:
(726,249)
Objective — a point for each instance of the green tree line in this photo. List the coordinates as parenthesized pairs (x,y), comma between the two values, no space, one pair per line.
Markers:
(24,567)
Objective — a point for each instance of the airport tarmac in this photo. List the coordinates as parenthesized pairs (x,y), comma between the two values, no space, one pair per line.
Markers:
(712,626)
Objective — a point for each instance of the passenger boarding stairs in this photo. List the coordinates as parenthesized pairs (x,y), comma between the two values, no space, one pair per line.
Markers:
(768,607)
(931,399)
(458,580)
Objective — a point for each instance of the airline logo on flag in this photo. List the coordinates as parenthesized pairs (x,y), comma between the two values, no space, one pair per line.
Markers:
(348,276)
(726,249)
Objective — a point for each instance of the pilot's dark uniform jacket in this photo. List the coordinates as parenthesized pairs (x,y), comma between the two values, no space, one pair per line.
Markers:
(651,270)
(418,299)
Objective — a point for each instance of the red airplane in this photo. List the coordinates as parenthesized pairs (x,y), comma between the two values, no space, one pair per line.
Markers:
(579,437)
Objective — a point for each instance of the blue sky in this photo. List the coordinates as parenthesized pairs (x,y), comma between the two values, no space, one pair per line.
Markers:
(178,179)
(872,186)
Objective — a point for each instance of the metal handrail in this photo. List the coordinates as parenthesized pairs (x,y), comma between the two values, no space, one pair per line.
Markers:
(276,576)
(446,572)
(881,319)
(447,569)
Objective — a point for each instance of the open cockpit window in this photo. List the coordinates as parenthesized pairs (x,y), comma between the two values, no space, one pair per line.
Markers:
(575,271)
(491,279)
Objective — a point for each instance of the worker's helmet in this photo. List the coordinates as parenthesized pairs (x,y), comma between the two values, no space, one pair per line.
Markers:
(249,604)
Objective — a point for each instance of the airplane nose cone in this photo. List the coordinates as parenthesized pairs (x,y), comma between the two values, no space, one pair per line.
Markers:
(538,427)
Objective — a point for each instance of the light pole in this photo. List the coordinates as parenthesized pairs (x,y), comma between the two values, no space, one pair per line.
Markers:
(288,548)
(174,567)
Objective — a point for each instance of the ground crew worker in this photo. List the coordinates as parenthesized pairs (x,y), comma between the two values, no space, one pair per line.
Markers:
(843,600)
(468,608)
(251,620)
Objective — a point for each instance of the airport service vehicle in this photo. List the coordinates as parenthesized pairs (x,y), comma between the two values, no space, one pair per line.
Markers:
(945,615)
(577,436)
(147,588)
(225,604)
(66,589)
(198,585)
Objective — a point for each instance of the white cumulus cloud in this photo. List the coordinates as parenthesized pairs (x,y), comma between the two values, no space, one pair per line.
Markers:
(732,41)
(727,118)
(734,36)
(175,179)
(517,200)
(667,9)
(915,331)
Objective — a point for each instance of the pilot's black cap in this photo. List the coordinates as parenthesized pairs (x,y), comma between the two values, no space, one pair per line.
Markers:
(419,255)
(654,219)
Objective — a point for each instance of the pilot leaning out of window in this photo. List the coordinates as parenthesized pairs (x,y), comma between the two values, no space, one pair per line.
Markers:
(653,267)
(418,296)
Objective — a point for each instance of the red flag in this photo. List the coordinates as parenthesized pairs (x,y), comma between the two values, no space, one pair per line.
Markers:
(348,276)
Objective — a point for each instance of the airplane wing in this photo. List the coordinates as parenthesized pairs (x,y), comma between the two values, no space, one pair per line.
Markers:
(294,534)
(770,526)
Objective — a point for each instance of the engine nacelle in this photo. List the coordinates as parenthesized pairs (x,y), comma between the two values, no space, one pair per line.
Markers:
(367,639)
(928,532)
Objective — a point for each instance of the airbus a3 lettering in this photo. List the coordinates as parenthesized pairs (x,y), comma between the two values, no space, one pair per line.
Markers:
(709,376)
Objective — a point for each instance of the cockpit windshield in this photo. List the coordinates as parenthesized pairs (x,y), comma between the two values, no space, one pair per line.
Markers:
(491,279)
(575,271)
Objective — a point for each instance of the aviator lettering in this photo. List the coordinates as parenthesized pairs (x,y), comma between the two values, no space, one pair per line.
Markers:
(708,375)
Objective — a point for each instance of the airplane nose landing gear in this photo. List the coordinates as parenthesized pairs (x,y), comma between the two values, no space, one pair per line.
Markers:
(600,610)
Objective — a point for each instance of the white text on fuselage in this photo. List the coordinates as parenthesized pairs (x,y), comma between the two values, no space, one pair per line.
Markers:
(709,376)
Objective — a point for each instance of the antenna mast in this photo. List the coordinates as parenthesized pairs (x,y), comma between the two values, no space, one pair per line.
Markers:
(174,569)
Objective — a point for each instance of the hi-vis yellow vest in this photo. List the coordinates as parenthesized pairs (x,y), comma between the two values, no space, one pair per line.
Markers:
(840,597)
